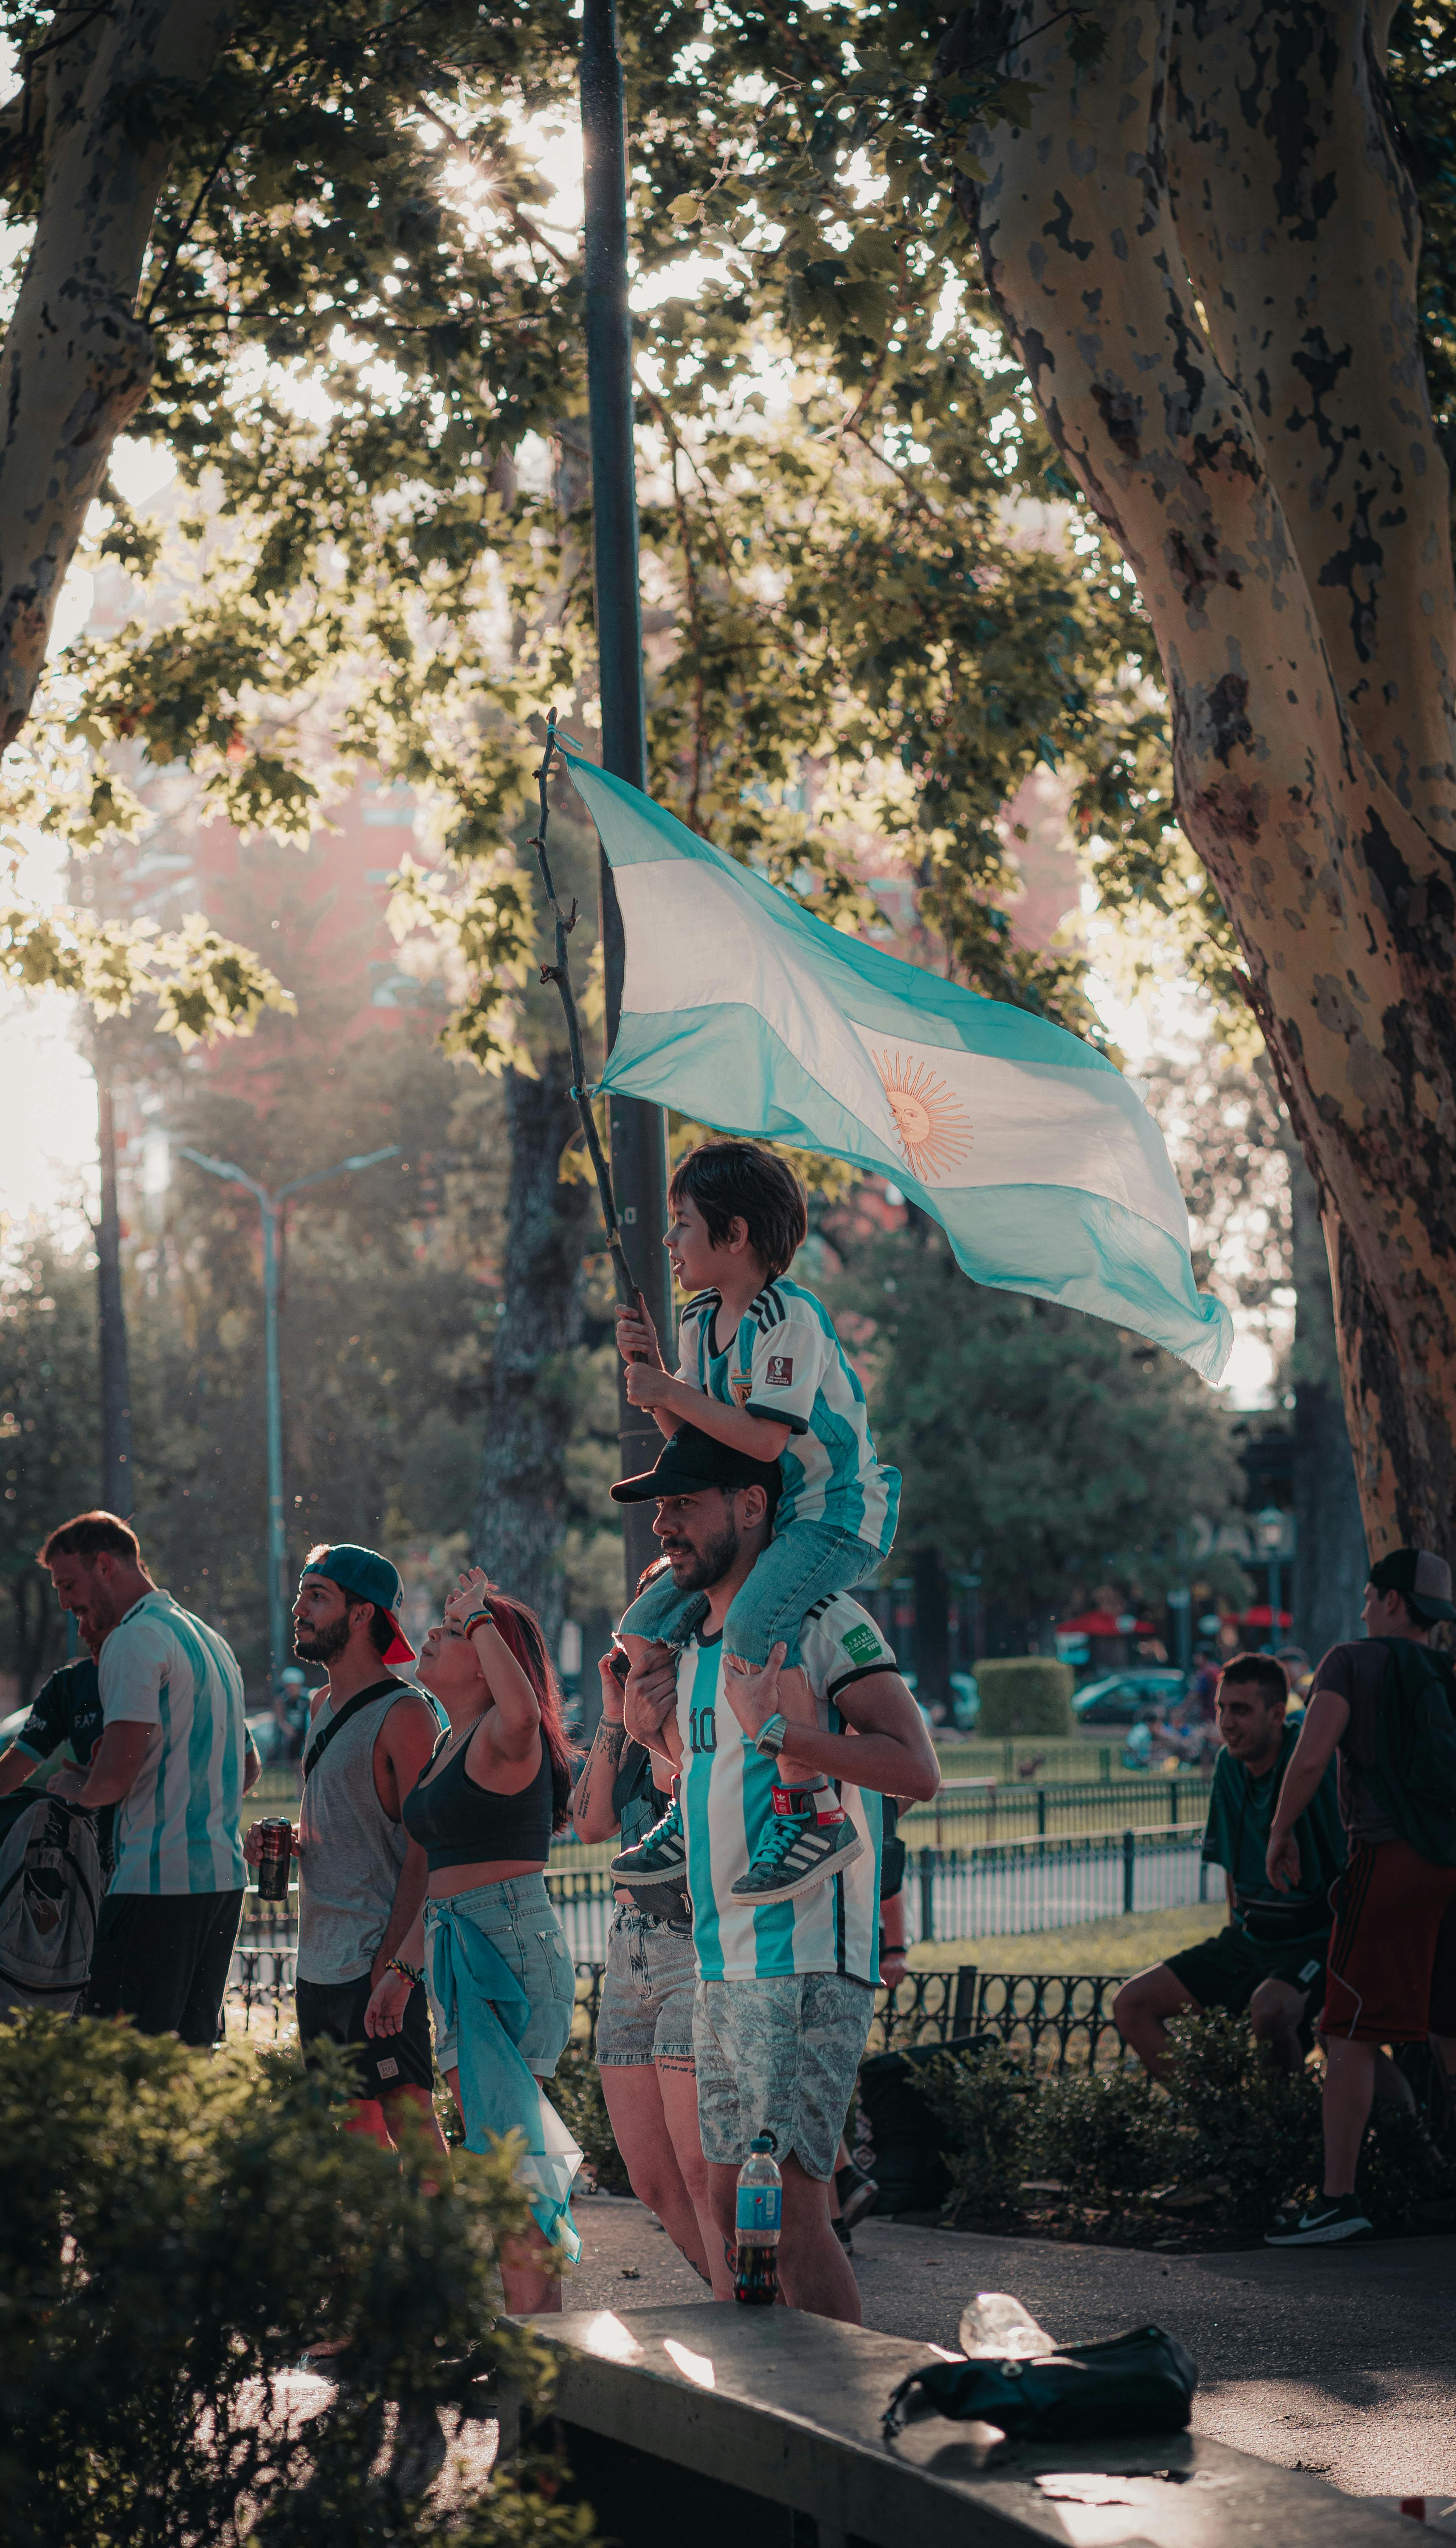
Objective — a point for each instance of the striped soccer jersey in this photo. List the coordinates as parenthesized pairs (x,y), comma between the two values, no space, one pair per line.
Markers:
(177,1827)
(785,1363)
(727,1797)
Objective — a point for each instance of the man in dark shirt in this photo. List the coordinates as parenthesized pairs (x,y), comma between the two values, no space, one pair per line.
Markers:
(1393,1952)
(1270,1958)
(67,1711)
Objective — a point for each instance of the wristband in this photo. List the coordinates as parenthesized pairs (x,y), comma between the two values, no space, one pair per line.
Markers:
(771,1736)
(410,1973)
(478,1620)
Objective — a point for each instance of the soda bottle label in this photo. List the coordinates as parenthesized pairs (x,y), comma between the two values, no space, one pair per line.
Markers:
(760,2207)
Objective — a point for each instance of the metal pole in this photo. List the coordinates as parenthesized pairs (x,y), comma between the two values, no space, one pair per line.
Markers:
(277,1546)
(637,1132)
(118,1493)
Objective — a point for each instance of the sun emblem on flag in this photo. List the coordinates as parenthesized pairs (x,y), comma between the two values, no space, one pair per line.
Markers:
(932,1126)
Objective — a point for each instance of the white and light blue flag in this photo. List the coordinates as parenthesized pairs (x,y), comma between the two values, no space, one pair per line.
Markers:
(1040,1164)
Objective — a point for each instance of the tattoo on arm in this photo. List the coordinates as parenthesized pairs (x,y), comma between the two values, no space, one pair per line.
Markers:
(606,1746)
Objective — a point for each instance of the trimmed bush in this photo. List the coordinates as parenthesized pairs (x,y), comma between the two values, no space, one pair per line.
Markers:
(174,2231)
(1110,2139)
(983,2104)
(1257,2126)
(1025,1695)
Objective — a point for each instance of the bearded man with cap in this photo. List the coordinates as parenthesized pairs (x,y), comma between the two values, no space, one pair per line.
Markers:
(361,1878)
(1389,1707)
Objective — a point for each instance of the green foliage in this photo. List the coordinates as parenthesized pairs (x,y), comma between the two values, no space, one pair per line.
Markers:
(1108,2139)
(575,2090)
(1256,2125)
(984,2103)
(1025,1695)
(173,2231)
(1051,1452)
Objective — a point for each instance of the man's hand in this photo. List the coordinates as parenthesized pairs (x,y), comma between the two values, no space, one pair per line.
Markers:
(252,1843)
(637,1338)
(651,1695)
(648,1385)
(388,2001)
(753,1694)
(893,1966)
(67,1782)
(1282,1862)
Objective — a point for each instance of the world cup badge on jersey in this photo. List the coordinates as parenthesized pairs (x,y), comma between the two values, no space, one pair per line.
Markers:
(780,1371)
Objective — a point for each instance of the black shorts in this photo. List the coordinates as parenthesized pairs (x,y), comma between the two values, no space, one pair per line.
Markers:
(162,1959)
(1227,1971)
(334,2013)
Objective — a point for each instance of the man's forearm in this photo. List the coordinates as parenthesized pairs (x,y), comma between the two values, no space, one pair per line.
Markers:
(874,1760)
(1301,1780)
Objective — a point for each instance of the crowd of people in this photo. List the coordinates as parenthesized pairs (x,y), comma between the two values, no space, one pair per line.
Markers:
(755,1742)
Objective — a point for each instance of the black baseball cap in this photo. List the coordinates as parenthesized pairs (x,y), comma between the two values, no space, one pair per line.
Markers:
(1422,1580)
(688,1461)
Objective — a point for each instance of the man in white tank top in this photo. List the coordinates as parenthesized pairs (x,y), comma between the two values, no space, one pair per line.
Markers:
(361,1878)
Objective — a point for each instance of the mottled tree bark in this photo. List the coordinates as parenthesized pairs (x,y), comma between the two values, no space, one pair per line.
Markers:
(1205,250)
(77,360)
(1330,1561)
(520,1506)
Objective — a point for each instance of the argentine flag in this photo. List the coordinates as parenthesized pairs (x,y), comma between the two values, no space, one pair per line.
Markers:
(1041,1166)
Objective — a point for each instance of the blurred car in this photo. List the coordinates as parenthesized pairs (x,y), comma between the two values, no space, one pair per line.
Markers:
(965,1702)
(1125,1697)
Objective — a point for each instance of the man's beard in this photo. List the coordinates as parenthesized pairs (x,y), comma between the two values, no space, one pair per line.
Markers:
(707,1566)
(321,1645)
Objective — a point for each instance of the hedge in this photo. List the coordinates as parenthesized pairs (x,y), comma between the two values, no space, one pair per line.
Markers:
(1025,1695)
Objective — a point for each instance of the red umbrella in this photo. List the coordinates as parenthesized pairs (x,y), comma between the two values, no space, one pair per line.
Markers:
(1102,1624)
(1261,1617)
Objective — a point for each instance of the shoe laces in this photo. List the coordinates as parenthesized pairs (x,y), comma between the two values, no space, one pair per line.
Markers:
(776,1842)
(669,1828)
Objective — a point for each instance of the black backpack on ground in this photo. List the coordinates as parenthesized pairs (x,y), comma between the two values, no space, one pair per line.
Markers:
(49,1890)
(1414,1772)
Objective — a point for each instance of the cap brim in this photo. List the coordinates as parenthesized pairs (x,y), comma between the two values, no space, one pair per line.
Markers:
(1428,1610)
(400,1652)
(646,1490)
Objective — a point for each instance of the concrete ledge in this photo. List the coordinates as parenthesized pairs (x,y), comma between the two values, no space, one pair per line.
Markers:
(761,2428)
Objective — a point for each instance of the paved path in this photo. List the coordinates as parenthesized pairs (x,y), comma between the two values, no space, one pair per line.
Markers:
(1339,2361)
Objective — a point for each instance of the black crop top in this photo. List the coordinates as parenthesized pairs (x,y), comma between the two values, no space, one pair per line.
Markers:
(456,1821)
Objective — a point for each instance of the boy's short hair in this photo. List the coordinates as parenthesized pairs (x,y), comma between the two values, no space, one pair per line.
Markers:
(737,1181)
(90,1535)
(1265,1669)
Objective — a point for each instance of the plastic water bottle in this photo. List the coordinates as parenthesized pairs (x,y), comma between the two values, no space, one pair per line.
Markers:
(996,2327)
(757,2216)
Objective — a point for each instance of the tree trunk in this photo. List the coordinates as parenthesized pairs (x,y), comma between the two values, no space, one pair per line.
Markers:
(522,1502)
(77,361)
(31,1595)
(1330,1564)
(117,1495)
(932,1630)
(1205,250)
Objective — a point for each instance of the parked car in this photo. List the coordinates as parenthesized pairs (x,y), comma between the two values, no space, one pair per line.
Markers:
(1125,1697)
(965,1702)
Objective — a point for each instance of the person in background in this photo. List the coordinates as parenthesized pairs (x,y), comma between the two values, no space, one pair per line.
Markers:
(1270,1958)
(644,2019)
(501,1981)
(175,1759)
(67,1711)
(361,1879)
(1388,1706)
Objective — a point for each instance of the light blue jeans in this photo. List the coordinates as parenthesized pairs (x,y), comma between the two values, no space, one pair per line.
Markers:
(807,1564)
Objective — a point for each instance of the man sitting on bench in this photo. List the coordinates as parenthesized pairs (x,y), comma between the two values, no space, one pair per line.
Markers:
(786,1991)
(1270,1958)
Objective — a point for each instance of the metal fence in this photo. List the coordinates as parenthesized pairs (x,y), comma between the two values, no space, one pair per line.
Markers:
(972,1811)
(1017,1887)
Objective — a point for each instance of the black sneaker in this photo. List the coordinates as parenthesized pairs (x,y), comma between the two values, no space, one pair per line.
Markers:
(857,2194)
(660,1857)
(841,2231)
(1325,2220)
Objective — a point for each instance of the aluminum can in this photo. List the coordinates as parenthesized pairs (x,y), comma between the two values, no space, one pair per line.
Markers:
(276,1839)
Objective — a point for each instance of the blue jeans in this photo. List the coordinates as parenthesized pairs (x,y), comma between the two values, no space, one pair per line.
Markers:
(808,1562)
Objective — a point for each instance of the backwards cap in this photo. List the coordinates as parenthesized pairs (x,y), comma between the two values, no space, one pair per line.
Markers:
(369,1577)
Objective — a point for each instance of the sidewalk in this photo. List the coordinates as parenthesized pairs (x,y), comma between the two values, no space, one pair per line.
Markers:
(1339,2361)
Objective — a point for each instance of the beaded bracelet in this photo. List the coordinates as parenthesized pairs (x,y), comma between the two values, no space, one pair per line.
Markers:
(410,1973)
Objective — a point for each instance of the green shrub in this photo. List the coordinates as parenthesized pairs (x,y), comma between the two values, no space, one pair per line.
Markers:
(982,2103)
(1108,2140)
(1025,1695)
(174,2230)
(1254,2125)
(575,2093)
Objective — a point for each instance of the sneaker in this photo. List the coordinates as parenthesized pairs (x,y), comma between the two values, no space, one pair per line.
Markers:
(841,2231)
(796,1854)
(1325,2220)
(857,2194)
(660,1856)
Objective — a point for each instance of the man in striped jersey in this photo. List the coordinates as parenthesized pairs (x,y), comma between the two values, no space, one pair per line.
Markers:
(174,1758)
(785,1990)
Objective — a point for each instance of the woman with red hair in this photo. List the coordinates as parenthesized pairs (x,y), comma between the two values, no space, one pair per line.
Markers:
(502,1980)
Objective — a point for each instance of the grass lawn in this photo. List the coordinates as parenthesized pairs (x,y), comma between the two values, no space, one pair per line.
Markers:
(1092,1947)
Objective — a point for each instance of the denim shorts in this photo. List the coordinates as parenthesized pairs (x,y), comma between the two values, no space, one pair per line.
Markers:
(520,1920)
(646,2008)
(779,2056)
(807,1564)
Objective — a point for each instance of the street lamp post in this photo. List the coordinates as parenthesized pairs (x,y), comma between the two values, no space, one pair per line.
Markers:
(1269,1532)
(271,1209)
(637,1133)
